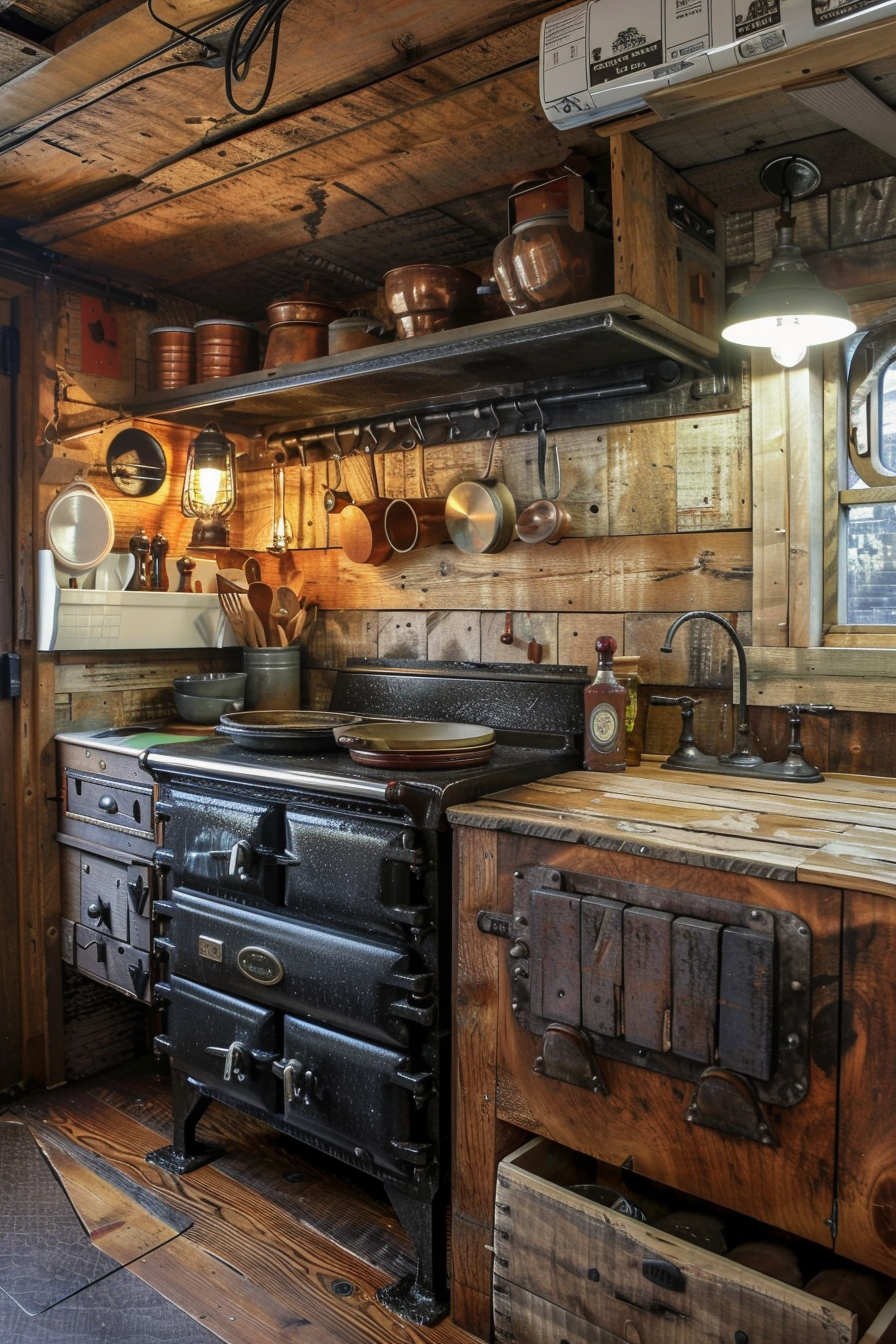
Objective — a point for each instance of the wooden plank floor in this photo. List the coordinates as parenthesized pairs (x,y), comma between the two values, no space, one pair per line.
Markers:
(283,1243)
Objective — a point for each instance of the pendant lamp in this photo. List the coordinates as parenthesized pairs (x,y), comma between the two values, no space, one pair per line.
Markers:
(789,309)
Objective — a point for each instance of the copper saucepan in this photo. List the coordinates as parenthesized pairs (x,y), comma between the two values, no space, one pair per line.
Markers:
(364,537)
(481,515)
(411,524)
(545,519)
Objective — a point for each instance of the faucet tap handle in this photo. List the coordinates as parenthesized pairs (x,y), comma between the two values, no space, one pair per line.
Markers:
(687,702)
(797,710)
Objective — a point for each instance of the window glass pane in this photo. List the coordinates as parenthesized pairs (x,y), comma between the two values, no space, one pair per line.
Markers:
(887,443)
(871,564)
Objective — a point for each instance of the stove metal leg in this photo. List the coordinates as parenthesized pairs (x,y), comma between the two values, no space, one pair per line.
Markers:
(421,1297)
(187,1152)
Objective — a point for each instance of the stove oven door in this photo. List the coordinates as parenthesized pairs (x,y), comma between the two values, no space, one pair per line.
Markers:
(355,985)
(223,1042)
(365,1102)
(355,871)
(219,844)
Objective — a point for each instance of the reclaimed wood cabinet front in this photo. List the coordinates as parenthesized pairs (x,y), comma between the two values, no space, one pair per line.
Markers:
(636,1108)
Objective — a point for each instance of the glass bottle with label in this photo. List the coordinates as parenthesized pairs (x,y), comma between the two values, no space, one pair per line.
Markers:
(605,713)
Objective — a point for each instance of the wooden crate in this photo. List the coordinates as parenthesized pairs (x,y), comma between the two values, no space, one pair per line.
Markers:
(568,1269)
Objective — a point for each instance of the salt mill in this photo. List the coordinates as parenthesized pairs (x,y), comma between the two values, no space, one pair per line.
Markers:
(158,549)
(139,548)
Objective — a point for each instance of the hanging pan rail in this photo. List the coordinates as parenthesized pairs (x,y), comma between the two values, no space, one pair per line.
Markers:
(502,418)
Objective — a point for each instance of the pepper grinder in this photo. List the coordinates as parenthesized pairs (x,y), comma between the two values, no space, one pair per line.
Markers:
(185,567)
(139,549)
(158,549)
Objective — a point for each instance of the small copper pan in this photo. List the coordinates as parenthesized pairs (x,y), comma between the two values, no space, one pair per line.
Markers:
(364,537)
(545,520)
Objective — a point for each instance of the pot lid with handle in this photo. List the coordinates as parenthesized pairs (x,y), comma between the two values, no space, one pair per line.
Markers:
(80,528)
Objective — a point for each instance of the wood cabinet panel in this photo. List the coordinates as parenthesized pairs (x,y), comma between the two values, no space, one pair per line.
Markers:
(641,1124)
(866,1180)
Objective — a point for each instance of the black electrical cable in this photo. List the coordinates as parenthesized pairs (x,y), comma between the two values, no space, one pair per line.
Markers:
(259,20)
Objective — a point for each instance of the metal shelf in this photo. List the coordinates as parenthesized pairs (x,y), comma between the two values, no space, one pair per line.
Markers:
(561,349)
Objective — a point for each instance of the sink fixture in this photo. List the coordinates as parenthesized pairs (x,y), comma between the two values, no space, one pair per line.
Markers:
(742,760)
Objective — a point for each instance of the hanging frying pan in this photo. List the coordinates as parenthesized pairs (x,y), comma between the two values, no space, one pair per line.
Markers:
(80,528)
(481,515)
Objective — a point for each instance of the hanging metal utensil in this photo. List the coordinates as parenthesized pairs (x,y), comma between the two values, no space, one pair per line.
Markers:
(545,519)
(281,532)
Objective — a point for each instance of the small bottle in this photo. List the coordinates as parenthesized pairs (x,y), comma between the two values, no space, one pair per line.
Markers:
(626,671)
(605,713)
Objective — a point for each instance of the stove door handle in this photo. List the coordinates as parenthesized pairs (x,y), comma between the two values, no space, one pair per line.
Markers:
(420,1085)
(423,1014)
(239,860)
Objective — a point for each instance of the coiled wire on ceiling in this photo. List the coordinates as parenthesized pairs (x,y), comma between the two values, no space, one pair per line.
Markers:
(257,20)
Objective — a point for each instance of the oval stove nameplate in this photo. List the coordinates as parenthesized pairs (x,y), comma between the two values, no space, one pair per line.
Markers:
(260,965)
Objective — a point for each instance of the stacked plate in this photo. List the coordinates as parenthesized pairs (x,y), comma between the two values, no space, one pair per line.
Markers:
(418,745)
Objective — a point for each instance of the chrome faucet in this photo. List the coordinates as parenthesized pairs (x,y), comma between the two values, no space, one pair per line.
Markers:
(742,760)
(741,757)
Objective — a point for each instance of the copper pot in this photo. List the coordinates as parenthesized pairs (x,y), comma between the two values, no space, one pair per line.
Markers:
(172,357)
(423,324)
(303,308)
(363,530)
(545,263)
(429,287)
(411,524)
(364,537)
(225,348)
(295,342)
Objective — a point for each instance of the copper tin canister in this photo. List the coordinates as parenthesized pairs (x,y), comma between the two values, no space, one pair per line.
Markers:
(225,348)
(294,342)
(303,308)
(172,356)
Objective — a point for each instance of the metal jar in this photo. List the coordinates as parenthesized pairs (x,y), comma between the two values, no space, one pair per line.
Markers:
(225,348)
(172,357)
(272,678)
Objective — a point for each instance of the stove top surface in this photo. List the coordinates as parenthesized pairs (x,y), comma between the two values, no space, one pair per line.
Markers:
(425,793)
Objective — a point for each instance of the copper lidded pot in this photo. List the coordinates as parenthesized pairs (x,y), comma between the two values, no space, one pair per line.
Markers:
(172,357)
(225,348)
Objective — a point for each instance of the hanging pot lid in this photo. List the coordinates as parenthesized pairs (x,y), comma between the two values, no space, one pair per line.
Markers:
(80,528)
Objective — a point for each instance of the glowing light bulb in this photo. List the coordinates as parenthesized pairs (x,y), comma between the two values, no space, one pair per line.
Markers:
(208,484)
(788,345)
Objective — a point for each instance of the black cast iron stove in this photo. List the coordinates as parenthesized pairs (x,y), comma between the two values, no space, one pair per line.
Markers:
(307,930)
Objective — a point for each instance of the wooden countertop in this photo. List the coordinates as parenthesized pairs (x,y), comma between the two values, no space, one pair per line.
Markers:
(839,833)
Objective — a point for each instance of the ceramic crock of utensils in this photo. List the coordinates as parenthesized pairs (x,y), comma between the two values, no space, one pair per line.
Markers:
(446,293)
(545,519)
(481,515)
(80,528)
(364,538)
(272,680)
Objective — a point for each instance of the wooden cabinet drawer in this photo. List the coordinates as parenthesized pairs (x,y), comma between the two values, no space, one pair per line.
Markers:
(567,1267)
(106,892)
(99,760)
(108,802)
(112,961)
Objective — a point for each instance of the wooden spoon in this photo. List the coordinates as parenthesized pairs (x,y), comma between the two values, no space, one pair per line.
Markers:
(261,598)
(289,601)
(252,570)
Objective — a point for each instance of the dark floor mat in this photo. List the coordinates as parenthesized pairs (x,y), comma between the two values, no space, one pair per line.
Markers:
(45,1253)
(121,1308)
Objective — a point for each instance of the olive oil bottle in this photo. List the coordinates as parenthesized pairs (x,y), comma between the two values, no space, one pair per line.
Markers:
(605,713)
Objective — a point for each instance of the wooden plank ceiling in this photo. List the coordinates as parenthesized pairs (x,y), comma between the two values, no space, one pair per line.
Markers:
(392,133)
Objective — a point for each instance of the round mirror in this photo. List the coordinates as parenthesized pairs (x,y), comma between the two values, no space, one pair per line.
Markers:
(136,462)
